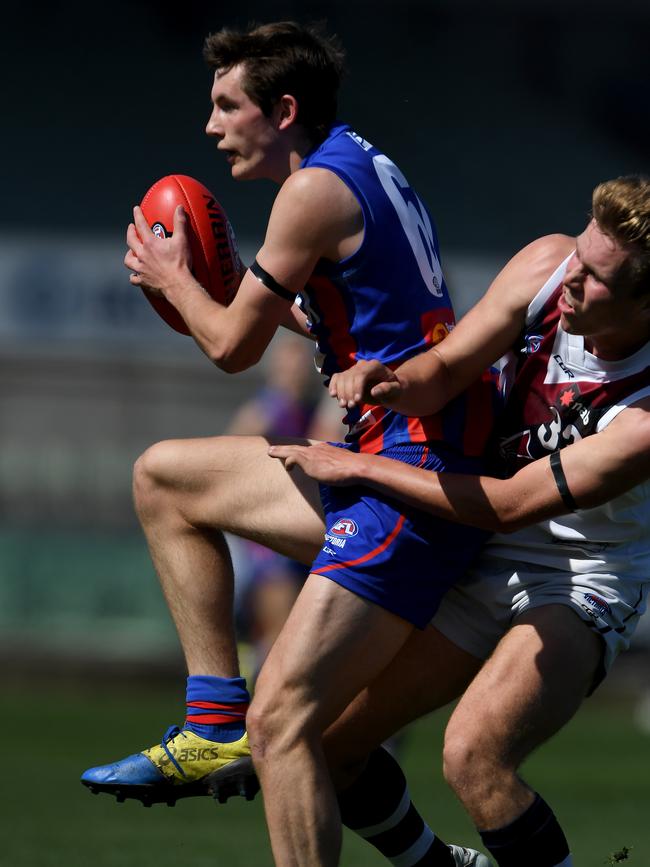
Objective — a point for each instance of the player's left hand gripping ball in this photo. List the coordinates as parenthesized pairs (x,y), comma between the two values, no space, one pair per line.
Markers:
(215,258)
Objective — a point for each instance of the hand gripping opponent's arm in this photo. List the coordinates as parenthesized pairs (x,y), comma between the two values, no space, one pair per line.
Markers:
(592,471)
(425,383)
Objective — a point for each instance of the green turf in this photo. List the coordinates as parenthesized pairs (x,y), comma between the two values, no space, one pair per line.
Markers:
(595,774)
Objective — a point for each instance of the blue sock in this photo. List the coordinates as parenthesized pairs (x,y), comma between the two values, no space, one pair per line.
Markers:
(216,707)
(534,838)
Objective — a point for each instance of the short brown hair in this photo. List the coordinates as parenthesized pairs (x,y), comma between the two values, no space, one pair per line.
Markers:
(284,57)
(621,208)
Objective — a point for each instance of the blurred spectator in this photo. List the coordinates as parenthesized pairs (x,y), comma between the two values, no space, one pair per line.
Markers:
(286,403)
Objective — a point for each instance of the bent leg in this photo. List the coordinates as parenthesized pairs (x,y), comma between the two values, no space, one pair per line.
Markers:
(428,672)
(187,492)
(527,691)
(333,643)
(374,800)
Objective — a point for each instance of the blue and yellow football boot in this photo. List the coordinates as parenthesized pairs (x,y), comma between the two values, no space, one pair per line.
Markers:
(183,765)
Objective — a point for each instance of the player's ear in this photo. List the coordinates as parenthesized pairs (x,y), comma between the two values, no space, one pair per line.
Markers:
(286,111)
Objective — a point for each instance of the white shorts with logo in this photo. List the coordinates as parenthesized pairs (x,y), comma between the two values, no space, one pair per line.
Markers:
(478,610)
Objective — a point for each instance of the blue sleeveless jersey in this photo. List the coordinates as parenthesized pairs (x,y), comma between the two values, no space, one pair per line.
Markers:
(388,300)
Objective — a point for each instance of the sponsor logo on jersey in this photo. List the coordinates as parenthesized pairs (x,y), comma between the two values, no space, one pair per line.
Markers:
(438,333)
(159,230)
(568,399)
(598,607)
(557,358)
(533,342)
(359,140)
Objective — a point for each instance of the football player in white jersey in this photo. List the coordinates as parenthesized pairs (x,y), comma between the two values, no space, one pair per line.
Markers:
(563,581)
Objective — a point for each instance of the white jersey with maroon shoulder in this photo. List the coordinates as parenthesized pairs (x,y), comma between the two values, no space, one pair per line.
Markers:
(559,393)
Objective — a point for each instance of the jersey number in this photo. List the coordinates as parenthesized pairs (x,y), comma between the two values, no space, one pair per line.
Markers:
(414,219)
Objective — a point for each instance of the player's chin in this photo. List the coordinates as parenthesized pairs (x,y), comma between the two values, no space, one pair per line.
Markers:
(569,324)
(237,167)
(242,170)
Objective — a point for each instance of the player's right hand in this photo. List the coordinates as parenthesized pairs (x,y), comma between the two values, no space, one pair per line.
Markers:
(366,382)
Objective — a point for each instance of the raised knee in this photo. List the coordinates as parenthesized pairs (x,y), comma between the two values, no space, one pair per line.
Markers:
(152,474)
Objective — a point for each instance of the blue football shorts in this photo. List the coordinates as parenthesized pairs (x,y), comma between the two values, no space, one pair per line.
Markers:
(396,556)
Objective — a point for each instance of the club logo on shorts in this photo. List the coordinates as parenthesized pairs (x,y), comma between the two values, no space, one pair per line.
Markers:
(159,230)
(598,607)
(344,527)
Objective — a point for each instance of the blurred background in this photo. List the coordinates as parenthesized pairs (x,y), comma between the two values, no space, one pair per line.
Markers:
(503,116)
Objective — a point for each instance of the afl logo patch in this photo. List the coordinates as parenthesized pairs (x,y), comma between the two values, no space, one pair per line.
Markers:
(159,230)
(533,342)
(344,527)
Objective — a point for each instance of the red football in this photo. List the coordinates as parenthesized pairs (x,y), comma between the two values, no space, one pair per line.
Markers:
(215,258)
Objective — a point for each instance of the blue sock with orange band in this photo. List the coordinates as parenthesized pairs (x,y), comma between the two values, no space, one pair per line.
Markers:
(216,707)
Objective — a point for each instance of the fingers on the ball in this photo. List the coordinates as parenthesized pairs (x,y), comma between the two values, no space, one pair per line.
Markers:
(141,224)
(179,216)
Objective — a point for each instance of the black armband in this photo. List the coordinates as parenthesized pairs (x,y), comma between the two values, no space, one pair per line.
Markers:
(270,282)
(561,482)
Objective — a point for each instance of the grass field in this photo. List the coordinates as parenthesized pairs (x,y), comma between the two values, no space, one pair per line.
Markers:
(595,773)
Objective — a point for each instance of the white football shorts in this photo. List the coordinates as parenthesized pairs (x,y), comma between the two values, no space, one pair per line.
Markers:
(478,610)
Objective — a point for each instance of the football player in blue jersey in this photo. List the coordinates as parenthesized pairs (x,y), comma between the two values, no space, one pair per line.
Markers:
(349,236)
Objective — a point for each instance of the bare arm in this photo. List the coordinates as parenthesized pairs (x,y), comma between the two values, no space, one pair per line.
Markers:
(598,468)
(312,215)
(425,383)
(296,321)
